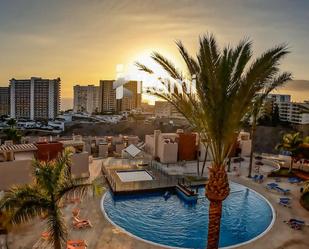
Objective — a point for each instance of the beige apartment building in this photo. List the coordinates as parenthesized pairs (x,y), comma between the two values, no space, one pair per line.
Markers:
(162,146)
(34,98)
(109,103)
(133,101)
(107,98)
(4,101)
(86,99)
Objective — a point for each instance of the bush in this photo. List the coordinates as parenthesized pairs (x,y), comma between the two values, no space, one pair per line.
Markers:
(304,200)
(282,172)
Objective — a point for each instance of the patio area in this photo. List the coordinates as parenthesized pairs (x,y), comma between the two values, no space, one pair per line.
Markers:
(103,235)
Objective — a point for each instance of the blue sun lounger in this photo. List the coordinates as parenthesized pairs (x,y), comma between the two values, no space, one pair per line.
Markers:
(295,224)
(282,191)
(271,185)
(296,221)
(255,178)
(258,178)
(294,180)
(286,202)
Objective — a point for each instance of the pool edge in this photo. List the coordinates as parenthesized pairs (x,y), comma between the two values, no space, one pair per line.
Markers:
(173,247)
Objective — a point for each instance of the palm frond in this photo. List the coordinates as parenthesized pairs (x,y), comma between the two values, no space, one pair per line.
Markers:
(21,204)
(227,86)
(144,68)
(78,188)
(167,65)
(56,227)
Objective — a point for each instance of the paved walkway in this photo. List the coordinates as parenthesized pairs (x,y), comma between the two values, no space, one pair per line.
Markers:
(104,236)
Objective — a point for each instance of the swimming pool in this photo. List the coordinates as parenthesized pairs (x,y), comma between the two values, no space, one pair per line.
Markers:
(173,223)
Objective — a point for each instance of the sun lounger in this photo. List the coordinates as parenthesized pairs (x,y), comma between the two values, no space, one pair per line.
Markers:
(254,178)
(285,199)
(286,202)
(282,191)
(260,179)
(294,180)
(81,223)
(76,244)
(271,185)
(45,235)
(295,224)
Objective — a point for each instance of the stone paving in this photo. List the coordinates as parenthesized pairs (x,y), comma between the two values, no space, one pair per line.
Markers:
(103,235)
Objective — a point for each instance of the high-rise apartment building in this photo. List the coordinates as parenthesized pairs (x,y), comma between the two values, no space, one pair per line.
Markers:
(134,101)
(4,101)
(34,98)
(108,101)
(86,99)
(293,112)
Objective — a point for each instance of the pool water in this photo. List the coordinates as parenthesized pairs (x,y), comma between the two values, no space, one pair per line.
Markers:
(175,223)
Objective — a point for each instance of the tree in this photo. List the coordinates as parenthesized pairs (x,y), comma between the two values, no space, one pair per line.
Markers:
(290,142)
(12,133)
(275,118)
(222,87)
(52,183)
(11,122)
(257,107)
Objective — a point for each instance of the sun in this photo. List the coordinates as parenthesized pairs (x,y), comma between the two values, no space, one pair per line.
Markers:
(144,57)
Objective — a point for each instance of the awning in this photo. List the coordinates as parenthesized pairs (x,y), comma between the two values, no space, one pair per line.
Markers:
(18,147)
(132,150)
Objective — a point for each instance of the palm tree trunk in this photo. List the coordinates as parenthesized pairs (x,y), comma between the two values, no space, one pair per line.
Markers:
(57,243)
(198,164)
(229,164)
(204,162)
(253,130)
(291,164)
(215,212)
(217,189)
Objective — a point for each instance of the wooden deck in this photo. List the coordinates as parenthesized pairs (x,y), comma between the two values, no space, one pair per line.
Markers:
(160,180)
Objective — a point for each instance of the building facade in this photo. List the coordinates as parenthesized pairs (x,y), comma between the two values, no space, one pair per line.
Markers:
(4,101)
(35,98)
(107,98)
(109,103)
(86,98)
(293,112)
(134,98)
(164,109)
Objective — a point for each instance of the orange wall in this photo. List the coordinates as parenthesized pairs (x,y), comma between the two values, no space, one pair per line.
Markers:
(48,151)
(187,148)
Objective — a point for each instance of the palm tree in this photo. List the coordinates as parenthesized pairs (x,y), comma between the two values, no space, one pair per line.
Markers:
(290,142)
(256,112)
(12,122)
(12,133)
(52,183)
(223,86)
(4,228)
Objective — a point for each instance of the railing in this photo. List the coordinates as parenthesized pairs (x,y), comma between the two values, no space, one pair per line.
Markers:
(110,179)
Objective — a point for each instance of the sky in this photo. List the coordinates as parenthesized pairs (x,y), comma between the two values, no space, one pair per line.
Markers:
(82,41)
